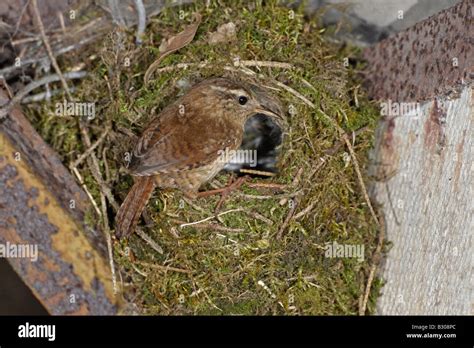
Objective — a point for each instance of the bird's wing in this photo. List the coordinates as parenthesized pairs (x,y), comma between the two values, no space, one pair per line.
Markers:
(173,142)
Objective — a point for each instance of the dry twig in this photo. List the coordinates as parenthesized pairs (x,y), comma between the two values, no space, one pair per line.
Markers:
(48,48)
(373,268)
(83,185)
(287,220)
(359,176)
(304,211)
(260,63)
(213,226)
(108,236)
(35,84)
(356,165)
(256,172)
(165,268)
(154,245)
(95,169)
(90,149)
(210,217)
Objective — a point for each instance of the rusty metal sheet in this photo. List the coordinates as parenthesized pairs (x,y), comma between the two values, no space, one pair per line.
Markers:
(70,273)
(434,57)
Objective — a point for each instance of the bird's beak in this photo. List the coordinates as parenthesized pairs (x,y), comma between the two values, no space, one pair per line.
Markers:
(267,111)
(268,105)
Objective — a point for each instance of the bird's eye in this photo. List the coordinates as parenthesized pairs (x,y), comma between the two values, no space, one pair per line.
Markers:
(243,100)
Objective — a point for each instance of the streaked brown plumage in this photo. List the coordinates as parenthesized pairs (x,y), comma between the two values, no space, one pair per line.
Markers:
(180,147)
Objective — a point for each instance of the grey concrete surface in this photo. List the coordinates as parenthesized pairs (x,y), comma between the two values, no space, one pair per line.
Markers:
(365,22)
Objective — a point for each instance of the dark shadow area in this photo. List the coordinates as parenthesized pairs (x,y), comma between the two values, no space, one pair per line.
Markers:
(264,136)
(15,297)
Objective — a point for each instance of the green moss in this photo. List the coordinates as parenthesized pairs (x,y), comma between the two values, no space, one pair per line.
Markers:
(225,265)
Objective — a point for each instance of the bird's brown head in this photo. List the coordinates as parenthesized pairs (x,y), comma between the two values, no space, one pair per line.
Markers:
(242,100)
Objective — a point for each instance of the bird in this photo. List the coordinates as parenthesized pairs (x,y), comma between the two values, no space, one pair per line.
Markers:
(181,148)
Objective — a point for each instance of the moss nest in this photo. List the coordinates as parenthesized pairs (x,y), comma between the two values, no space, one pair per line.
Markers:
(265,252)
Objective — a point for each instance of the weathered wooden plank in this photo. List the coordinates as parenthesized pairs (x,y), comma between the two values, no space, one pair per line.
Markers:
(42,207)
(428,209)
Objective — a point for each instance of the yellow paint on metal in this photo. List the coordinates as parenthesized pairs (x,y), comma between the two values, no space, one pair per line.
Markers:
(69,241)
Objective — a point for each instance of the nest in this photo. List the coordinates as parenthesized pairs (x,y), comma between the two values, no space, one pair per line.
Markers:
(265,251)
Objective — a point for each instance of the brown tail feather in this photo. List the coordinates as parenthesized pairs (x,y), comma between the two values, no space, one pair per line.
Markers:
(133,205)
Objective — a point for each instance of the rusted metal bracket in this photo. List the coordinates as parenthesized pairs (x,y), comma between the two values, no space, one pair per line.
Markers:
(42,207)
(434,57)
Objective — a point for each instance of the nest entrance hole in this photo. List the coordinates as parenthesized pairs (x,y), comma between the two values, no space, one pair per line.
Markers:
(261,141)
